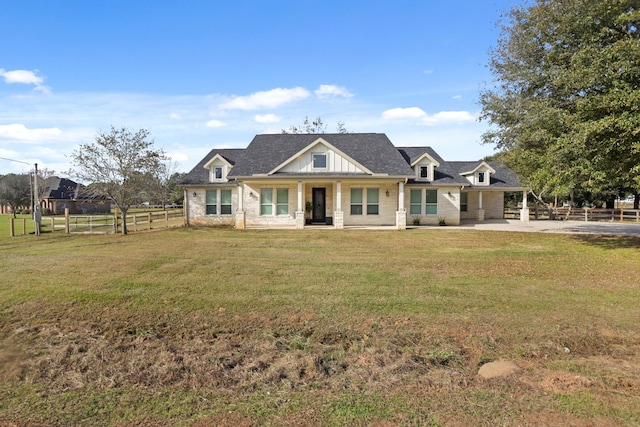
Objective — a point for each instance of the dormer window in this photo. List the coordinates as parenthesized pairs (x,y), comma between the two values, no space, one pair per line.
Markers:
(480,177)
(319,161)
(424,172)
(217,173)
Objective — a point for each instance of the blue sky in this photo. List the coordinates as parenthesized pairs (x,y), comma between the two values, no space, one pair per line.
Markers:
(206,74)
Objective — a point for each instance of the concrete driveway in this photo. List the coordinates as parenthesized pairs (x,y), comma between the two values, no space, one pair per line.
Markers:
(567,227)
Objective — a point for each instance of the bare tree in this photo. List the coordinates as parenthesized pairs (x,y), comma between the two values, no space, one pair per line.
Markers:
(116,163)
(314,126)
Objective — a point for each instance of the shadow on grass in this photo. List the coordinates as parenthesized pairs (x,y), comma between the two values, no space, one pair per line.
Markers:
(609,242)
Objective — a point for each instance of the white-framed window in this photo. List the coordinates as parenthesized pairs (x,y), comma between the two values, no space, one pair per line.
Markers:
(282,201)
(212,202)
(415,202)
(356,201)
(279,205)
(424,172)
(217,172)
(431,205)
(373,201)
(423,197)
(481,177)
(218,202)
(319,160)
(464,201)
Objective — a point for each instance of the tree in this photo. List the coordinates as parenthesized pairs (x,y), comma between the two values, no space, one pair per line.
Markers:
(15,191)
(566,107)
(314,126)
(116,163)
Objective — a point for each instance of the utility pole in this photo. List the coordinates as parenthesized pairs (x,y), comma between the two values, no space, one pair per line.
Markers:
(37,212)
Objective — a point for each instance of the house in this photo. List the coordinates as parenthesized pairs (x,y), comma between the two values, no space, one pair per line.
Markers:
(341,180)
(62,193)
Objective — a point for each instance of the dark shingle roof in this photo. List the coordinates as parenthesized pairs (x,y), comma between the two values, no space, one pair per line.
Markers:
(374,151)
(200,175)
(503,177)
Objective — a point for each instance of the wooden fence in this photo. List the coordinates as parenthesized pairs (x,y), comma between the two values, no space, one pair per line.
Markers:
(106,224)
(577,214)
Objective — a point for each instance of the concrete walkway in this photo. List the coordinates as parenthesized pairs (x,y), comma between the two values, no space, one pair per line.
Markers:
(547,226)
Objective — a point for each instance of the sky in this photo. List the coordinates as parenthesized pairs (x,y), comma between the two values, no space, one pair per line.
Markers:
(204,74)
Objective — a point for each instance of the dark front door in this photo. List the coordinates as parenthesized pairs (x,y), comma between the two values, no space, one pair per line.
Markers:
(319,195)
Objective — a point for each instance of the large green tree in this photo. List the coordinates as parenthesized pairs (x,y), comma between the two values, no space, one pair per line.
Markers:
(117,164)
(15,191)
(565,106)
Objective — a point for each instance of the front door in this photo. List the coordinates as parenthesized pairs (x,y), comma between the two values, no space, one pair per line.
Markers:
(319,199)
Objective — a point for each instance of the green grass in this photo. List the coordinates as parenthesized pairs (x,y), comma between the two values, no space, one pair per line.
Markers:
(213,326)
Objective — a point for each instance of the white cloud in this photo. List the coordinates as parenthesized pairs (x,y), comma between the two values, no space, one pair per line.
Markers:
(266,99)
(266,118)
(175,116)
(443,117)
(331,91)
(21,132)
(24,77)
(457,96)
(215,124)
(403,113)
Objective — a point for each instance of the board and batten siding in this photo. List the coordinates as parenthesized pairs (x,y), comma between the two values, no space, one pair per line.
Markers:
(335,163)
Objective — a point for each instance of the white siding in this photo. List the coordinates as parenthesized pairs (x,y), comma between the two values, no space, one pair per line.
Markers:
(335,162)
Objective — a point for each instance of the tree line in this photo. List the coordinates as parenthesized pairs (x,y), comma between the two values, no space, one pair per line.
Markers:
(564,105)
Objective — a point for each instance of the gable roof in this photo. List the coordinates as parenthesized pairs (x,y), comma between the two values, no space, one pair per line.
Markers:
(443,174)
(56,188)
(503,177)
(374,151)
(200,175)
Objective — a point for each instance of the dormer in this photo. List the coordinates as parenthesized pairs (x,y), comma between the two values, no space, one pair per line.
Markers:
(218,168)
(424,167)
(480,175)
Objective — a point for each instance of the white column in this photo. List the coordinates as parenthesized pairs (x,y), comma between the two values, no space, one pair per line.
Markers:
(480,216)
(401,213)
(400,195)
(240,215)
(338,215)
(300,210)
(524,212)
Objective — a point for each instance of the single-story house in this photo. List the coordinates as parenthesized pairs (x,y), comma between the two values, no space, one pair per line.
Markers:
(341,180)
(62,193)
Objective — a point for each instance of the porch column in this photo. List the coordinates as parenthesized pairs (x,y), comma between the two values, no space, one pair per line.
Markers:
(401,213)
(524,212)
(240,215)
(480,216)
(299,210)
(338,215)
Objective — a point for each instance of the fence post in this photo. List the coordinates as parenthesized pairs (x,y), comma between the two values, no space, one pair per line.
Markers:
(115,220)
(24,226)
(621,215)
(149,217)
(166,218)
(11,227)
(53,224)
(67,225)
(586,214)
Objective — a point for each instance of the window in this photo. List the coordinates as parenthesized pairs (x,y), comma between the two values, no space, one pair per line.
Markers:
(225,202)
(266,201)
(480,177)
(372,201)
(319,161)
(217,173)
(356,201)
(464,197)
(431,207)
(212,202)
(282,201)
(218,202)
(424,172)
(415,202)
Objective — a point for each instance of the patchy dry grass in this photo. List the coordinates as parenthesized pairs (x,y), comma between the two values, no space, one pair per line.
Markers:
(204,327)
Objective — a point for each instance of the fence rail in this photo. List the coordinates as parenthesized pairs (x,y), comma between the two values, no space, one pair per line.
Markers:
(577,214)
(108,223)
